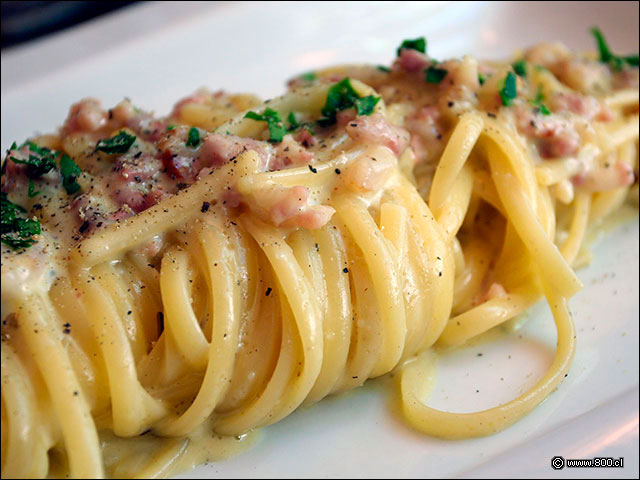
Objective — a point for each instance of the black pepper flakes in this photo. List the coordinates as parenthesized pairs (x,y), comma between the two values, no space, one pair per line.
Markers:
(345,270)
(338,171)
(268,292)
(313,170)
(205,207)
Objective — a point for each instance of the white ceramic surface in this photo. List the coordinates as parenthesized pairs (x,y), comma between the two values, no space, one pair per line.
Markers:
(158,52)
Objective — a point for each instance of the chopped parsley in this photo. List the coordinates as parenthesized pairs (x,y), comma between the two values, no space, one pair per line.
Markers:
(308,77)
(41,160)
(616,62)
(365,105)
(384,69)
(17,231)
(119,143)
(419,44)
(481,79)
(293,123)
(632,60)
(508,92)
(277,130)
(193,137)
(31,192)
(541,107)
(435,74)
(69,171)
(14,146)
(170,127)
(342,96)
(520,67)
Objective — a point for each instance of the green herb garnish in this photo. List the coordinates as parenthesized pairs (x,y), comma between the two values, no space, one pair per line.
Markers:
(170,127)
(365,105)
(309,128)
(41,160)
(384,69)
(342,96)
(14,146)
(481,79)
(508,92)
(31,192)
(616,62)
(276,127)
(193,137)
(119,143)
(419,44)
(542,108)
(293,123)
(435,74)
(520,67)
(632,60)
(69,171)
(308,77)
(17,231)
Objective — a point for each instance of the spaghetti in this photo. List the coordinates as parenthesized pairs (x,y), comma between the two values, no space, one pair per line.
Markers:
(176,283)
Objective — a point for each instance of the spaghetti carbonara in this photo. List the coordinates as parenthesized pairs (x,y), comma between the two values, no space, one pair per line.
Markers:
(171,284)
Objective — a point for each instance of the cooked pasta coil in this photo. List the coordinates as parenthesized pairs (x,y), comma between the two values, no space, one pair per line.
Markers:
(242,320)
(237,321)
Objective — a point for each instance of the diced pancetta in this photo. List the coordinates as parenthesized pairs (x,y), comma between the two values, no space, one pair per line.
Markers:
(584,105)
(86,116)
(376,130)
(288,207)
(290,153)
(411,61)
(605,178)
(557,137)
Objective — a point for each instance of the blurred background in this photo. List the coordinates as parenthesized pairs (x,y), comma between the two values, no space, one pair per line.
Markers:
(24,21)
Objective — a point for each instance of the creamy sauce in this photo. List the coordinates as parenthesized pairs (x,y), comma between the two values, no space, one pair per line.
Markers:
(140,456)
